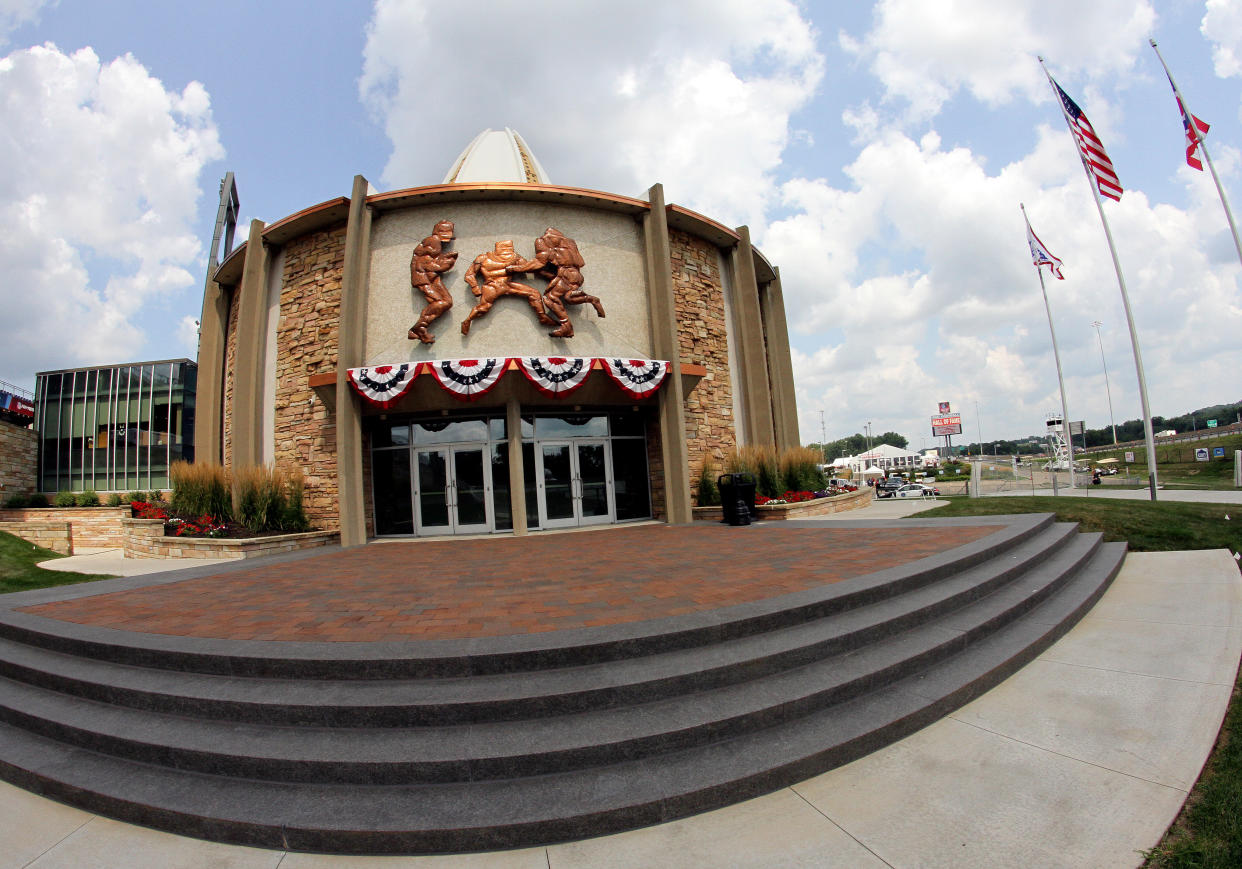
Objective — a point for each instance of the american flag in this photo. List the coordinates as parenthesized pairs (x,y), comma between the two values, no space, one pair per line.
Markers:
(1041,254)
(1192,144)
(1092,148)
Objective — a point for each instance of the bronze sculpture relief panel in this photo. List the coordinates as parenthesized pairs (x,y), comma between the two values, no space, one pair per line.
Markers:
(557,260)
(427,263)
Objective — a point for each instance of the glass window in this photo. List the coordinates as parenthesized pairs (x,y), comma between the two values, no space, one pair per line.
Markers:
(450,432)
(628,424)
(385,435)
(390,475)
(497,428)
(631,485)
(579,425)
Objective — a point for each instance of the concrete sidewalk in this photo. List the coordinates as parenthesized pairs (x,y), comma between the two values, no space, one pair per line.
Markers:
(1082,758)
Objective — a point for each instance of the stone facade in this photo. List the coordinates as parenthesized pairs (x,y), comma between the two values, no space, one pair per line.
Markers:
(307,342)
(702,339)
(19,452)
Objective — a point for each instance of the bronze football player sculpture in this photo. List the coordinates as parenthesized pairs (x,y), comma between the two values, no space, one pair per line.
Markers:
(428,261)
(493,267)
(557,259)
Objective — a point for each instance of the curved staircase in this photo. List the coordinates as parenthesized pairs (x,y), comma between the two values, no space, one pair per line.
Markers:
(463,745)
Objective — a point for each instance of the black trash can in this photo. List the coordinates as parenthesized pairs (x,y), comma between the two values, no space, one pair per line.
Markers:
(737,498)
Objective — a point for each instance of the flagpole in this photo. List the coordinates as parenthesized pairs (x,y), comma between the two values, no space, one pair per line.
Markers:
(1148,436)
(1056,354)
(1194,130)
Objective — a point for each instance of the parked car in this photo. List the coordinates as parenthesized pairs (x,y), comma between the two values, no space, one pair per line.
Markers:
(888,487)
(917,490)
(1106,471)
(845,485)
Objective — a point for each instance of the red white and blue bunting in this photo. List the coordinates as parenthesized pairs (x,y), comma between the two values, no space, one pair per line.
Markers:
(555,375)
(468,378)
(638,377)
(384,384)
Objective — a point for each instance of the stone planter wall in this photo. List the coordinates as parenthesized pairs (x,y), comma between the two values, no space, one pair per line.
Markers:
(818,507)
(56,536)
(92,527)
(144,538)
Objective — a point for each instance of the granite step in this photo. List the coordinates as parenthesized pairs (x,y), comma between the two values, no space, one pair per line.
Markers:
(528,746)
(525,810)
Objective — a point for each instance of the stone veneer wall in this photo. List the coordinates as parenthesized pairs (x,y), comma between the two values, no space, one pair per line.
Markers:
(19,451)
(307,342)
(702,338)
(655,470)
(93,527)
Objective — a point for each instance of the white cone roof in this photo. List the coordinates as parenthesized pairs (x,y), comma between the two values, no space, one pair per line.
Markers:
(497,156)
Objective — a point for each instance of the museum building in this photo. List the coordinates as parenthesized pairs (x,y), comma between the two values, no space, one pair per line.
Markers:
(493,353)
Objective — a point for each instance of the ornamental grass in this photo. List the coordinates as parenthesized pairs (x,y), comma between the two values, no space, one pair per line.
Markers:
(202,489)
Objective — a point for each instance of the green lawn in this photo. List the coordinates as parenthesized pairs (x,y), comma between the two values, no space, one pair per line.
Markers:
(1208,832)
(19,570)
(1146,526)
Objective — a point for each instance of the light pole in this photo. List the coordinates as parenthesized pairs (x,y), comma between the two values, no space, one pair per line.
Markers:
(823,440)
(1097,324)
(868,435)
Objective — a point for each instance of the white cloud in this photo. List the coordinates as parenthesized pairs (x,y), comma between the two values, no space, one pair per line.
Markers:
(1222,25)
(15,13)
(923,53)
(951,308)
(99,174)
(697,95)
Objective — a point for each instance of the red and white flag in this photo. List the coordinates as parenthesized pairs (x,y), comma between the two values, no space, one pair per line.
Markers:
(1091,148)
(1192,143)
(1040,254)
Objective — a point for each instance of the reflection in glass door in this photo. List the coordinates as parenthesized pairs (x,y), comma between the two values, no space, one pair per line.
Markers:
(453,490)
(573,483)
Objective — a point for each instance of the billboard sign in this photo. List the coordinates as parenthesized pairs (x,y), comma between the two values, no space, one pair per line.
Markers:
(944,408)
(1129,457)
(946,424)
(1201,454)
(1077,427)
(1218,452)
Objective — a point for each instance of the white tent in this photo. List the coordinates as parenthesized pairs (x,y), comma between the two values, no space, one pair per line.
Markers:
(873,471)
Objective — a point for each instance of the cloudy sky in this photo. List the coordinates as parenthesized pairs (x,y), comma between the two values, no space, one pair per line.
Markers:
(878,152)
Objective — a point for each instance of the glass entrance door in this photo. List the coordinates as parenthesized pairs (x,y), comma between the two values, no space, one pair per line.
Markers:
(453,490)
(574,485)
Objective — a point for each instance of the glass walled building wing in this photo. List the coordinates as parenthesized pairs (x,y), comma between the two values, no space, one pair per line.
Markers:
(114,428)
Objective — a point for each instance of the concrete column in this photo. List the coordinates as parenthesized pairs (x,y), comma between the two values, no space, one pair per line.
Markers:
(209,399)
(666,346)
(351,335)
(748,319)
(248,360)
(517,469)
(784,402)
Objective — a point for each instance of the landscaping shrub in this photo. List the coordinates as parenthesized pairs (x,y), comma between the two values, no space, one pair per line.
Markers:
(135,497)
(295,520)
(114,499)
(800,469)
(66,499)
(18,500)
(709,493)
(267,499)
(37,499)
(89,498)
(201,490)
(761,462)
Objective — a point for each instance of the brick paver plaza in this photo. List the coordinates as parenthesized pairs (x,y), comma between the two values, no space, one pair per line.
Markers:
(442,589)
